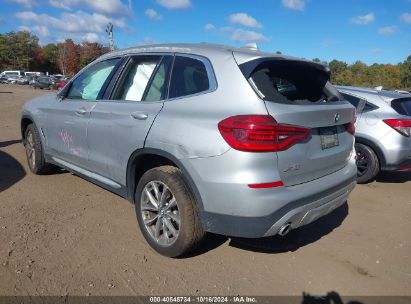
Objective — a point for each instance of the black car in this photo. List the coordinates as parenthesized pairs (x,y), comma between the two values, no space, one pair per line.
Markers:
(43,83)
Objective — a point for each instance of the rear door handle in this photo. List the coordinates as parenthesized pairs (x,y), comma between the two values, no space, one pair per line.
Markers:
(139,115)
(82,111)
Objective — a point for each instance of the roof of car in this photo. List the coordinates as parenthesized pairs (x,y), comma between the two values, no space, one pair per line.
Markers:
(199,49)
(387,95)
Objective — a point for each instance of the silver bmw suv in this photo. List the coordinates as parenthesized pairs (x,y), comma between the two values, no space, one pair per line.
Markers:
(383,126)
(201,138)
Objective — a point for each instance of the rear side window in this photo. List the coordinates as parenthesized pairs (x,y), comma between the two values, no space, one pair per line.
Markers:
(402,106)
(287,81)
(352,99)
(89,83)
(360,104)
(189,77)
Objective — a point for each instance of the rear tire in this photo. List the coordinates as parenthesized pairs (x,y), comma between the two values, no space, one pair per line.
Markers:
(167,212)
(367,162)
(35,152)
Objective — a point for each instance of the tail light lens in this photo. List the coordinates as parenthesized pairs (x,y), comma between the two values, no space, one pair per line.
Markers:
(402,126)
(260,133)
(351,126)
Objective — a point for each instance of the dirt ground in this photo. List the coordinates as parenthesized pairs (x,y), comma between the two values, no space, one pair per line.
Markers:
(61,235)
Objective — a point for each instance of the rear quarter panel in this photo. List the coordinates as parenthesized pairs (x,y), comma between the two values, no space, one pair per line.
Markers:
(187,127)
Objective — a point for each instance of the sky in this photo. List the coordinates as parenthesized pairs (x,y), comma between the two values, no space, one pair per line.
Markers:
(373,31)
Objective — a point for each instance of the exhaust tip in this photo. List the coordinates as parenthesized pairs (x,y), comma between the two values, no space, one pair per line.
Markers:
(285,229)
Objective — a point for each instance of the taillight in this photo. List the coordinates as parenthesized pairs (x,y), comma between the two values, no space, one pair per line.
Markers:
(351,126)
(260,133)
(402,126)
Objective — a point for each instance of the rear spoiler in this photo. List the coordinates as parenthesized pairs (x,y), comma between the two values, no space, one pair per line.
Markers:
(247,68)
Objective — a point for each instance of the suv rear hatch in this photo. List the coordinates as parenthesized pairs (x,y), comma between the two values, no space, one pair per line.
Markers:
(298,93)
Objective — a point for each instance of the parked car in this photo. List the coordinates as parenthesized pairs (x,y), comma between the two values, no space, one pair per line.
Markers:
(23,80)
(42,83)
(12,79)
(60,84)
(381,88)
(200,140)
(383,141)
(18,73)
(3,79)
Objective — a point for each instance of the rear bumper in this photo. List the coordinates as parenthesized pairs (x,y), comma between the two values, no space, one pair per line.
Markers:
(297,213)
(402,166)
(231,208)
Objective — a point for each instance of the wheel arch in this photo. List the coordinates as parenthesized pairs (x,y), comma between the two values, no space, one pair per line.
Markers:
(147,158)
(374,147)
(26,120)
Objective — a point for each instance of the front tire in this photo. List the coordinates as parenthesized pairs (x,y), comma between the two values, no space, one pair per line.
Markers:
(367,162)
(167,213)
(35,152)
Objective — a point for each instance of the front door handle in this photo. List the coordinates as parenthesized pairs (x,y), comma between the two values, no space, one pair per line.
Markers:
(139,115)
(81,111)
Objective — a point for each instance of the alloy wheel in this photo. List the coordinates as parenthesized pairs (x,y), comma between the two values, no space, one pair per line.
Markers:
(30,149)
(362,161)
(160,213)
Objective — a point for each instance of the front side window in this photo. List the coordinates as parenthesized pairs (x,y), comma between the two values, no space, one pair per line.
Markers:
(189,77)
(89,83)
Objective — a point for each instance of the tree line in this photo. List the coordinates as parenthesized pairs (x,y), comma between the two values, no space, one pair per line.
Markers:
(21,51)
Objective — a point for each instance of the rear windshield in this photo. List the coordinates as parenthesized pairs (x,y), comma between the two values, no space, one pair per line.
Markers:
(293,82)
(402,106)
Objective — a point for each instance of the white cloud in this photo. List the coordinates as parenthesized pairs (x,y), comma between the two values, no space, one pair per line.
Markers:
(174,4)
(387,30)
(108,7)
(24,28)
(71,22)
(406,17)
(42,31)
(244,36)
(91,37)
(152,14)
(59,4)
(148,40)
(24,3)
(79,26)
(366,19)
(294,4)
(245,20)
(209,27)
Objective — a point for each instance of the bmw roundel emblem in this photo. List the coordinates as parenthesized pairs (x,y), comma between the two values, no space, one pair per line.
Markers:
(337,117)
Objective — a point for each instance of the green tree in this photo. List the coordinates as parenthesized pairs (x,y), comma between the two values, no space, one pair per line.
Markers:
(89,52)
(336,68)
(17,50)
(405,73)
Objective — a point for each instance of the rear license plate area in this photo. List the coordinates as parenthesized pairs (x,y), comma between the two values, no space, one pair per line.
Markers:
(329,137)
